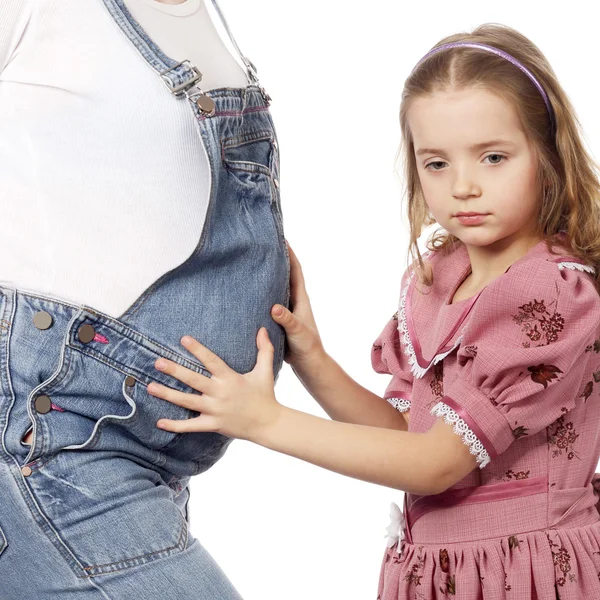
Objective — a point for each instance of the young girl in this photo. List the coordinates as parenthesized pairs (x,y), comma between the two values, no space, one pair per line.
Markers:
(494,351)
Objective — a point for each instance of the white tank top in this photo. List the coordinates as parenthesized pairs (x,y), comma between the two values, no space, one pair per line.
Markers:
(104,182)
(186,30)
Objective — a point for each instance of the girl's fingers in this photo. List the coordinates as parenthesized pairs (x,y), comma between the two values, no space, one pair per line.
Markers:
(194,402)
(195,380)
(203,423)
(266,351)
(215,364)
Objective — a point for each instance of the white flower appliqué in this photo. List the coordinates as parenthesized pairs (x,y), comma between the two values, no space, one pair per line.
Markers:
(395,530)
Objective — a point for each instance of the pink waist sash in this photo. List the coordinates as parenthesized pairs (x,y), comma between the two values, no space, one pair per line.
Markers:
(495,510)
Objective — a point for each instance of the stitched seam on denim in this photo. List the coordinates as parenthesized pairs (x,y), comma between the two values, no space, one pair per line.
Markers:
(277,218)
(175,436)
(165,352)
(260,135)
(134,333)
(169,354)
(47,527)
(242,140)
(235,113)
(125,370)
(65,368)
(248,167)
(42,461)
(3,541)
(183,530)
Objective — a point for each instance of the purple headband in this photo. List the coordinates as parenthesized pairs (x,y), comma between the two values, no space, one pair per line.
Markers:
(503,54)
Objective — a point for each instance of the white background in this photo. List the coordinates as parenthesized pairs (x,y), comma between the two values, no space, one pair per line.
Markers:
(280,528)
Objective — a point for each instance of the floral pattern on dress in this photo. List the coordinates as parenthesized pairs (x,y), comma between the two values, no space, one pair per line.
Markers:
(563,436)
(415,573)
(562,562)
(589,386)
(542,374)
(595,347)
(437,383)
(538,323)
(510,475)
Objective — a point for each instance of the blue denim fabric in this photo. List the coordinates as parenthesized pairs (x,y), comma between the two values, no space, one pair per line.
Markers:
(97,504)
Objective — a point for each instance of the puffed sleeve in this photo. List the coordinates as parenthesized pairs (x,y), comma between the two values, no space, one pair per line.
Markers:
(524,357)
(13,19)
(387,356)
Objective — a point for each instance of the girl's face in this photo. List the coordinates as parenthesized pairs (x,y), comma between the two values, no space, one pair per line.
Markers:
(473,157)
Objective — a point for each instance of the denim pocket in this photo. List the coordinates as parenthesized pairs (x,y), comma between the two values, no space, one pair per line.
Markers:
(252,152)
(252,159)
(108,513)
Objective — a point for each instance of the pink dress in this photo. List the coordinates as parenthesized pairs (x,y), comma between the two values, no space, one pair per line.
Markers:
(516,370)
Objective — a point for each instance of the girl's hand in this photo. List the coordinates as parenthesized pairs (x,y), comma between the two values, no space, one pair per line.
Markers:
(239,406)
(304,341)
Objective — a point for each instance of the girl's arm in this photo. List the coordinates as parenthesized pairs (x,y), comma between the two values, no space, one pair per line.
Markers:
(368,440)
(342,398)
(245,407)
(407,461)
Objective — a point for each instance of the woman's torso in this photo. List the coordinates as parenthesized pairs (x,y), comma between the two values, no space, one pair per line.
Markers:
(103,177)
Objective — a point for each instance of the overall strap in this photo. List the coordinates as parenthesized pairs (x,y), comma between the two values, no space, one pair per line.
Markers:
(179,77)
(252,72)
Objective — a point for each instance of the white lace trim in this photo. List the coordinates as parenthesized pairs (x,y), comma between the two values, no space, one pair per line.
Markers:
(417,370)
(578,266)
(400,404)
(476,448)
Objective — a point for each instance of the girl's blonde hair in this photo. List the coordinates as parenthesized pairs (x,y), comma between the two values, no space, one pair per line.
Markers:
(567,175)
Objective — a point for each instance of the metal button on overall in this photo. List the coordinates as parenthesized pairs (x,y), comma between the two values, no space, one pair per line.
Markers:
(43,404)
(129,381)
(42,319)
(86,333)
(26,471)
(206,104)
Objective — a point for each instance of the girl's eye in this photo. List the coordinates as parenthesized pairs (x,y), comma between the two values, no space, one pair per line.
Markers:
(500,156)
(436,162)
(440,163)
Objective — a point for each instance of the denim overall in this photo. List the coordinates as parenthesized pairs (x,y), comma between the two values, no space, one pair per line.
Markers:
(96,506)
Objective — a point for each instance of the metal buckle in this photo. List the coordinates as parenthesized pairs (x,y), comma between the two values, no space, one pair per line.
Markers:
(254,76)
(251,69)
(184,86)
